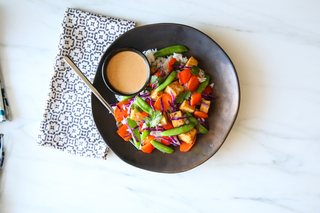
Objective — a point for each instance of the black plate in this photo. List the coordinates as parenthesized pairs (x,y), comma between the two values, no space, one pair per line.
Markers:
(223,110)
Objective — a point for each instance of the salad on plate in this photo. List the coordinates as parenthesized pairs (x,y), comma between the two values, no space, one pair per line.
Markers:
(172,109)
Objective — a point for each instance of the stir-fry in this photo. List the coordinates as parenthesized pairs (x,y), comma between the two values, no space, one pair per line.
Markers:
(172,110)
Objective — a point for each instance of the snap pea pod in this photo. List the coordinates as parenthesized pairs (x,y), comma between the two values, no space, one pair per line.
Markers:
(204,84)
(124,98)
(143,105)
(178,130)
(168,80)
(132,125)
(193,120)
(170,50)
(161,147)
(145,134)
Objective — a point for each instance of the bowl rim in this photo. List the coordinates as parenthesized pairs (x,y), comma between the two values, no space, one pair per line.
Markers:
(107,60)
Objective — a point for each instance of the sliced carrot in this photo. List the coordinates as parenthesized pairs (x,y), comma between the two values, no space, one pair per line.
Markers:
(184,76)
(170,63)
(201,114)
(168,126)
(193,83)
(164,142)
(184,147)
(195,99)
(208,89)
(164,98)
(120,111)
(148,147)
(122,132)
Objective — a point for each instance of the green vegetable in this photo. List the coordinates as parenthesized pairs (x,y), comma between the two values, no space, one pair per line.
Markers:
(143,105)
(124,98)
(204,84)
(155,78)
(145,134)
(170,50)
(195,70)
(183,96)
(168,80)
(154,119)
(132,125)
(193,120)
(178,130)
(161,147)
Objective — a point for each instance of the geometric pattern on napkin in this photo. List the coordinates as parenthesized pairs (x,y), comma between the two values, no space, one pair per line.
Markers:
(67,122)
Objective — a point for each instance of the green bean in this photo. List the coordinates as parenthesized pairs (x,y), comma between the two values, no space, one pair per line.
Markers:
(143,105)
(133,124)
(170,50)
(204,84)
(193,120)
(168,80)
(161,147)
(178,130)
(124,98)
(145,134)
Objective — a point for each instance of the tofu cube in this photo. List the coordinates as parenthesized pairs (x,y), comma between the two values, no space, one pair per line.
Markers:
(134,115)
(155,95)
(188,137)
(204,108)
(185,107)
(175,87)
(192,62)
(164,121)
(179,122)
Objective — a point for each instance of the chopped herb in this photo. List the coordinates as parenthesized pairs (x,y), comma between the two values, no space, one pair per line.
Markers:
(183,96)
(195,70)
(176,65)
(154,119)
(156,80)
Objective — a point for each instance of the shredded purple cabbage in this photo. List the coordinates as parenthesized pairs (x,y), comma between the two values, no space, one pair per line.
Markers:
(162,107)
(127,135)
(153,129)
(174,142)
(119,108)
(209,95)
(135,128)
(172,97)
(179,66)
(113,105)
(201,121)
(204,104)
(178,118)
(159,68)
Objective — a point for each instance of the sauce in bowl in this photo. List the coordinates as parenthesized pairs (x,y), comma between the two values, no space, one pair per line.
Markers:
(127,72)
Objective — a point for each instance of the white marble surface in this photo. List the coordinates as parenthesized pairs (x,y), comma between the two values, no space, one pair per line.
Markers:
(269,163)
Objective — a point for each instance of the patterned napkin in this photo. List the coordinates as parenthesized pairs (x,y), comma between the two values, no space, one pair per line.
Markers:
(67,122)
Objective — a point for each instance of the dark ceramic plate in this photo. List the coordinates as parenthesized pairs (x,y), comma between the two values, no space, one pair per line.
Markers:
(223,110)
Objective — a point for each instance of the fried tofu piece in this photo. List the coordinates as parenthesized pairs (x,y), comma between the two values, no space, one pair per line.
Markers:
(175,87)
(204,108)
(155,95)
(153,69)
(135,115)
(179,122)
(188,137)
(192,62)
(164,120)
(185,107)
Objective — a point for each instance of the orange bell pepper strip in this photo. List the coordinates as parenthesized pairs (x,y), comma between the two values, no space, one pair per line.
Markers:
(164,98)
(184,147)
(148,147)
(184,76)
(164,142)
(168,126)
(208,90)
(122,132)
(195,99)
(120,111)
(201,114)
(170,63)
(193,83)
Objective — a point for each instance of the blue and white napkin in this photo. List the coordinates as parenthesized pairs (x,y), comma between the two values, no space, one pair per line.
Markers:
(67,122)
